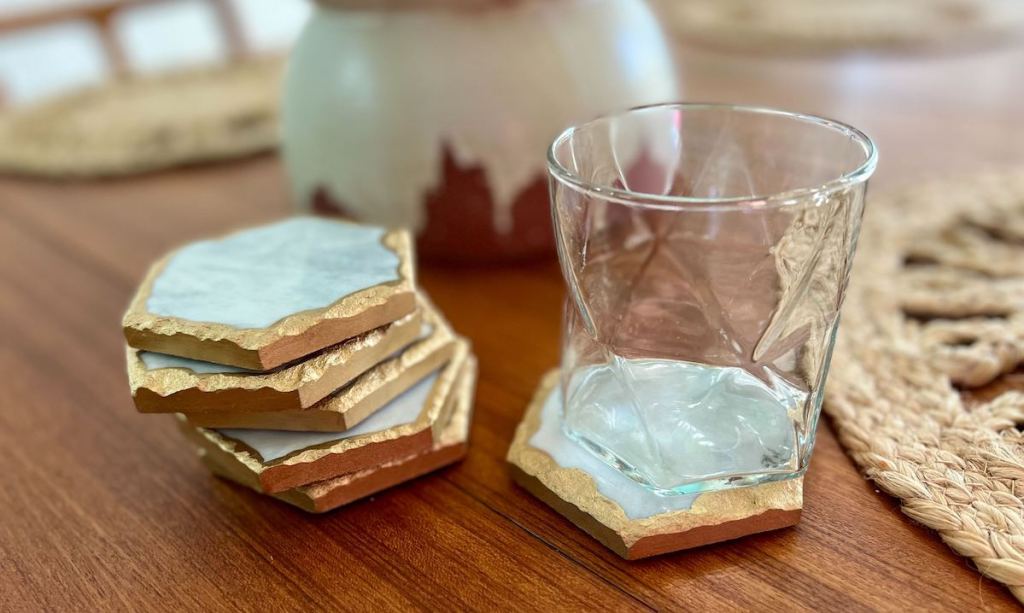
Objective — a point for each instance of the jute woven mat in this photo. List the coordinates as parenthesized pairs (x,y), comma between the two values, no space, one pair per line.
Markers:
(922,391)
(145,124)
(836,25)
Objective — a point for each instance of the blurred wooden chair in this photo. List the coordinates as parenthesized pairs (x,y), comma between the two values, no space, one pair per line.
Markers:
(102,14)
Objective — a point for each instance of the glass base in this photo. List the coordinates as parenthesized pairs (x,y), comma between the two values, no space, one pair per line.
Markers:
(679,427)
(710,484)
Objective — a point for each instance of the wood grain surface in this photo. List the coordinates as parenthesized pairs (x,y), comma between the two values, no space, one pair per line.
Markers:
(104,508)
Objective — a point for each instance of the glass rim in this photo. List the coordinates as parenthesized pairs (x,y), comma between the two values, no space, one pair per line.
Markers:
(785,198)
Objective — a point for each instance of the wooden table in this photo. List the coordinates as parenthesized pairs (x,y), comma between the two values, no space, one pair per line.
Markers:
(103,507)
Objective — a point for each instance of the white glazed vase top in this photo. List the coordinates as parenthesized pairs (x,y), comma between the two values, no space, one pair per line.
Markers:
(375,100)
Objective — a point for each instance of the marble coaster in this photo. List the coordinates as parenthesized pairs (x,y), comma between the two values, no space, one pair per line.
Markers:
(347,407)
(267,296)
(162,383)
(280,460)
(623,515)
(450,447)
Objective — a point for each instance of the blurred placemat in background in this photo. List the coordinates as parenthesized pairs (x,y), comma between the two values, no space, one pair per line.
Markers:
(146,123)
(97,88)
(829,26)
(926,385)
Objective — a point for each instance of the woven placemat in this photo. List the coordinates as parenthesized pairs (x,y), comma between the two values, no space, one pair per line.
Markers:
(144,124)
(836,25)
(922,391)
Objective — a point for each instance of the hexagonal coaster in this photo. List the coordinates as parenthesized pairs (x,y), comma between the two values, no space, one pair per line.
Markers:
(347,407)
(450,447)
(280,460)
(266,296)
(162,383)
(623,515)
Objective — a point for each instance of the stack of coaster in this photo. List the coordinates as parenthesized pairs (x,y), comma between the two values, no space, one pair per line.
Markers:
(301,360)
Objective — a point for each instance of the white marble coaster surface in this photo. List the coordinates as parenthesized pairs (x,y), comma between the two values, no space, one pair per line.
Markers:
(275,444)
(155,361)
(636,501)
(253,278)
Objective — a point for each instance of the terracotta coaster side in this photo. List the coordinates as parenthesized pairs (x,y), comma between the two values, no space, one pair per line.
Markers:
(359,399)
(345,455)
(358,485)
(602,533)
(294,387)
(656,544)
(713,517)
(289,339)
(332,493)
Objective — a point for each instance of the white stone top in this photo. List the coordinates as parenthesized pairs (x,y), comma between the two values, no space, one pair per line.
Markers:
(636,501)
(256,277)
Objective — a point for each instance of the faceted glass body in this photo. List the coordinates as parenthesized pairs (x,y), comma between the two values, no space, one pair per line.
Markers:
(706,251)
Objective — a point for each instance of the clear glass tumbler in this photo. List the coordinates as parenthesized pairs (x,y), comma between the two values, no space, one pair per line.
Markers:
(706,249)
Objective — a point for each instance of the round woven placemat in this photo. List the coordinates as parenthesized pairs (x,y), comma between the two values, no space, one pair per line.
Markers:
(923,390)
(838,25)
(144,124)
